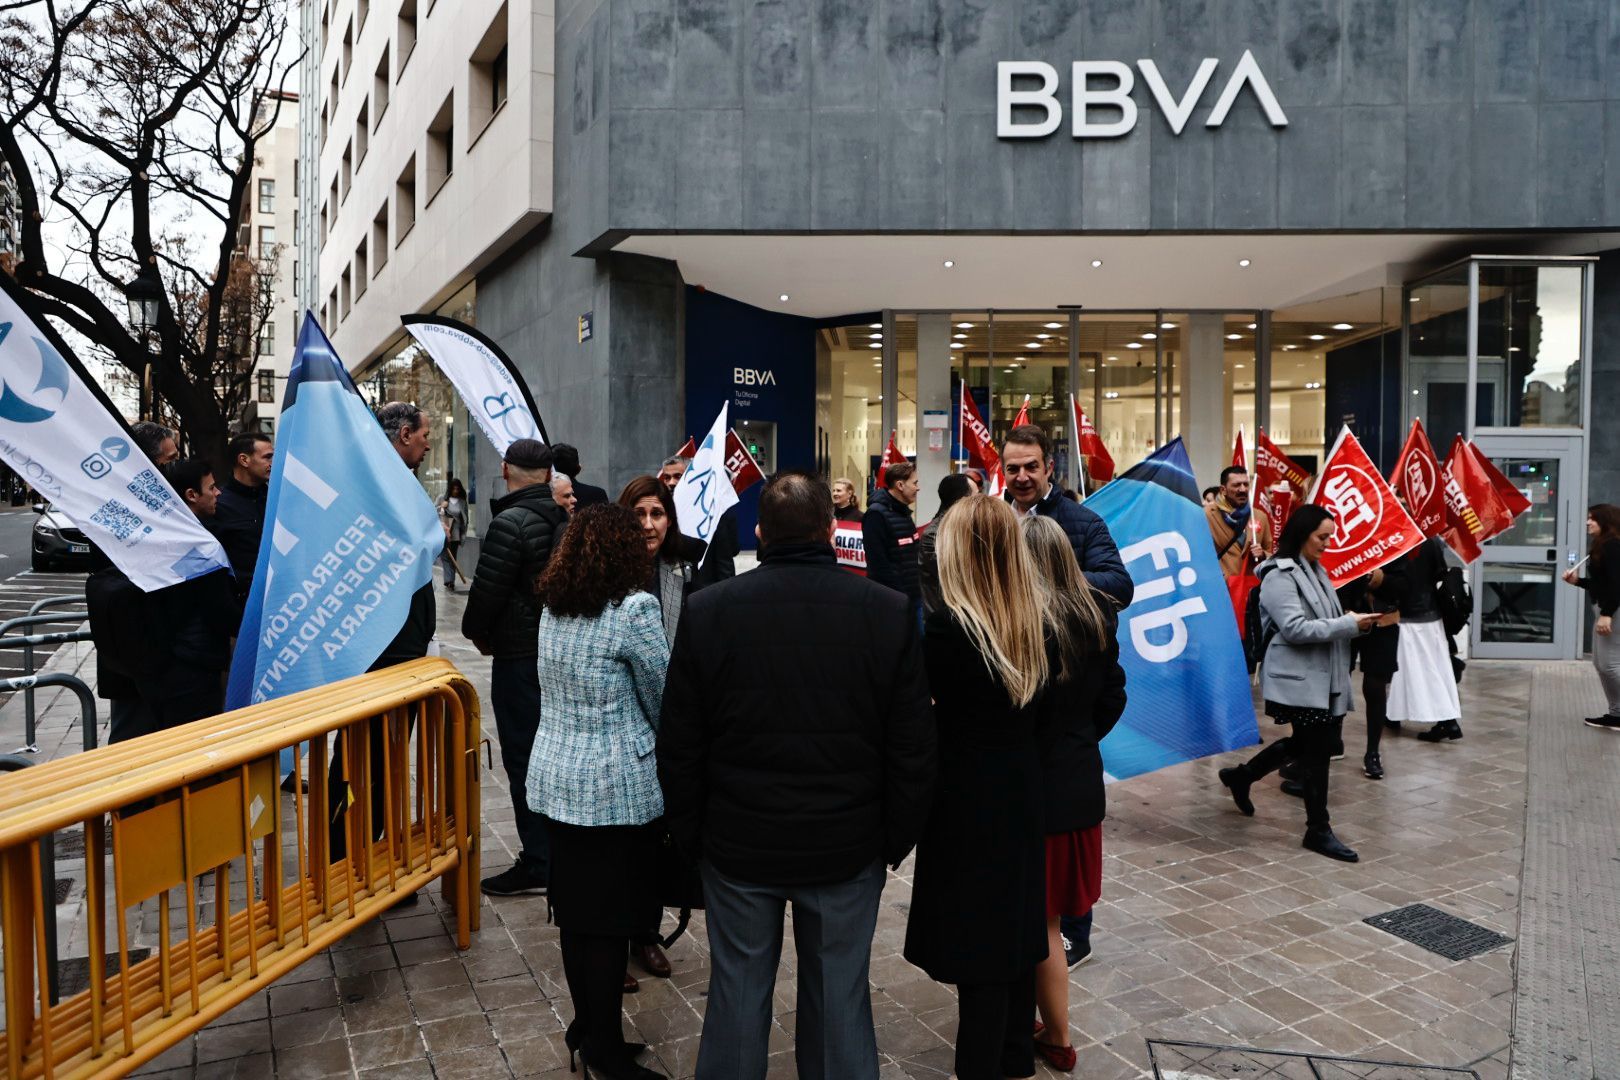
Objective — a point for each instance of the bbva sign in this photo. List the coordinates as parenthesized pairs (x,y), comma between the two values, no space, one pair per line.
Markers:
(753,376)
(1085,98)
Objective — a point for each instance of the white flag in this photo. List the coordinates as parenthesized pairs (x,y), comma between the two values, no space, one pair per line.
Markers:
(483,375)
(705,490)
(61,436)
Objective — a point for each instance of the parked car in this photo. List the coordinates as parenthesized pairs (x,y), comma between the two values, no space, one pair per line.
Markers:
(58,543)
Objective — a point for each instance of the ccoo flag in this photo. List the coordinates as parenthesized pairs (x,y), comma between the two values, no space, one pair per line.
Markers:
(1178,641)
(705,491)
(60,435)
(350,536)
(483,375)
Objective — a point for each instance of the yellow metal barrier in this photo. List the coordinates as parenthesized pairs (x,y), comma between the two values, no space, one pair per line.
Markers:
(203,800)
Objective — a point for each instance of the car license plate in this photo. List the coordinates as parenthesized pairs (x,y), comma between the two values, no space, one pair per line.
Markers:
(79,549)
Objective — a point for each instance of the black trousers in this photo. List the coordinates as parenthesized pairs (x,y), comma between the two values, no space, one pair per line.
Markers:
(994,1032)
(1375,695)
(1311,748)
(594,966)
(514,694)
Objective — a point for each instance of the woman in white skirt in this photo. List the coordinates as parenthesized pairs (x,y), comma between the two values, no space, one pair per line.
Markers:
(1425,687)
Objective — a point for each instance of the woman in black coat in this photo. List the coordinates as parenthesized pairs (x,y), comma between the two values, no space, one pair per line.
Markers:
(1602,585)
(1378,652)
(978,902)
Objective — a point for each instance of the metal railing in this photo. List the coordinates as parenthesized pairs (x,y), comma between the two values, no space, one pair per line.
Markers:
(27,643)
(163,812)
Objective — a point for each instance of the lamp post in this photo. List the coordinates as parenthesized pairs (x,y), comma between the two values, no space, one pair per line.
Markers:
(144,294)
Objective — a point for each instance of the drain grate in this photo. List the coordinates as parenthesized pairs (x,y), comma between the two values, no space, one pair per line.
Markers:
(1441,933)
(73,973)
(1174,1060)
(63,887)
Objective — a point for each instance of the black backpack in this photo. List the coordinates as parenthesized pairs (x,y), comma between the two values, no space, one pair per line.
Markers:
(1455,602)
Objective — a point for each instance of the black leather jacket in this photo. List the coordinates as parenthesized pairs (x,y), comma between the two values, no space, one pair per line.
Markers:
(503,613)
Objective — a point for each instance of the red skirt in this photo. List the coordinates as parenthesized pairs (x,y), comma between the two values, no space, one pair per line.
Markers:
(1073,871)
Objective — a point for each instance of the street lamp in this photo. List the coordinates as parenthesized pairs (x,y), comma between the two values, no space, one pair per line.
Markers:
(144,294)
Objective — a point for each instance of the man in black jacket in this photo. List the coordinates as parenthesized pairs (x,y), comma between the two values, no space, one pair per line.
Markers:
(1026,457)
(565,459)
(796,758)
(890,533)
(503,620)
(239,510)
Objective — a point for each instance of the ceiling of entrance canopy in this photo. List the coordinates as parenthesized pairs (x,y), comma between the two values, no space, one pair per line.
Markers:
(824,276)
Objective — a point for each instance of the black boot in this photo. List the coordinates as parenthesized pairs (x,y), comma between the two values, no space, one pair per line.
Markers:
(1322,841)
(1372,767)
(1296,788)
(1237,782)
(1445,729)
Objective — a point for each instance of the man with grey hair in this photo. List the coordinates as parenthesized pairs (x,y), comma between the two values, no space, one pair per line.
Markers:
(155,441)
(407,428)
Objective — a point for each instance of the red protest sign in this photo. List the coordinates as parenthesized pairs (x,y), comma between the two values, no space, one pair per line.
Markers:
(1272,466)
(849,545)
(1370,528)
(891,456)
(1418,480)
(1474,511)
(1099,462)
(979,446)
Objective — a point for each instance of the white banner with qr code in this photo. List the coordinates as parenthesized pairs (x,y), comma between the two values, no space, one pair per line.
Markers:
(59,436)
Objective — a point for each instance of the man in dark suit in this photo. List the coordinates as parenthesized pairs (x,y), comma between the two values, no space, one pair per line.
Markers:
(796,758)
(565,459)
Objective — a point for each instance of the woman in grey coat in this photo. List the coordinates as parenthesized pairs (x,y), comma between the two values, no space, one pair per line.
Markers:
(1305,671)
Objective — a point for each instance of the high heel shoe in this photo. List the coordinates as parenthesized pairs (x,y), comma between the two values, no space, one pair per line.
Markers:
(573,1039)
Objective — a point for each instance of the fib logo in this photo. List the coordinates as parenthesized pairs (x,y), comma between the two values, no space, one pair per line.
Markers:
(50,384)
(1157,618)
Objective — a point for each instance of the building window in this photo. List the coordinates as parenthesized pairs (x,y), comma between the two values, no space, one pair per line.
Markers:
(379,240)
(267,241)
(405,200)
(345,289)
(362,131)
(267,342)
(487,76)
(267,196)
(441,147)
(407,33)
(364,9)
(379,90)
(267,387)
(298,232)
(267,425)
(360,275)
(348,171)
(295,279)
(348,51)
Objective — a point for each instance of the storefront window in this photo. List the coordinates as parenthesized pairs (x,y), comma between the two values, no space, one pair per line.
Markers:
(1030,359)
(1118,358)
(1437,359)
(849,381)
(1531,339)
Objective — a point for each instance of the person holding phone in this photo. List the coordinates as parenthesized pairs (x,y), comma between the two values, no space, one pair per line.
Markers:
(1602,584)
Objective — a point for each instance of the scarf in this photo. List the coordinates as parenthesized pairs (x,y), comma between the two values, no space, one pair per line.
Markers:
(671,592)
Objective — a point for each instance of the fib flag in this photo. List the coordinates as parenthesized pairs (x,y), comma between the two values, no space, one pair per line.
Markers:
(61,435)
(1505,489)
(485,377)
(1371,529)
(700,497)
(1240,457)
(1474,511)
(1099,462)
(1023,413)
(891,456)
(979,446)
(349,537)
(1272,466)
(1188,686)
(1417,479)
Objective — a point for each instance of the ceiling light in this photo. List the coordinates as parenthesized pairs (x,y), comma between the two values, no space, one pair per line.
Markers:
(1032,344)
(877,363)
(959,337)
(1417,300)
(1514,348)
(1415,393)
(1251,326)
(964,326)
(1167,326)
(1111,394)
(1342,326)
(783,298)
(875,337)
(1234,337)
(1133,344)
(1313,386)
(1150,337)
(949,263)
(1243,263)
(1288,348)
(1020,359)
(1237,366)
(1095,263)
(875,345)
(875,326)
(1111,358)
(1044,337)
(957,345)
(1010,369)
(1053,325)
(1318,337)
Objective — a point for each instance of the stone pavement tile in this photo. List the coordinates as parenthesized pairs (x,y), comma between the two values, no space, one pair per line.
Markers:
(389,1046)
(524,1022)
(256,1007)
(1372,1016)
(373,984)
(376,1014)
(221,1043)
(301,997)
(308,1027)
(319,1059)
(1243,1022)
(504,993)
(457,1033)
(657,1026)
(182,1055)
(536,1057)
(1098,1020)
(1283,1006)
(361,960)
(1413,1003)
(1146,1006)
(425,950)
(478,1063)
(409,1070)
(1333,1033)
(432,975)
(1190,992)
(906,1038)
(315,968)
(443,1002)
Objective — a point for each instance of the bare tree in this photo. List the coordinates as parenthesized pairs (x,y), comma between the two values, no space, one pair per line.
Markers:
(132,127)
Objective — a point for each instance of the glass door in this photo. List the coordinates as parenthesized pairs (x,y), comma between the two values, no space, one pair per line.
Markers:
(1521,608)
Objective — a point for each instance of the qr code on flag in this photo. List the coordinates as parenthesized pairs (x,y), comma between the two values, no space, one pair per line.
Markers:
(151,491)
(117,519)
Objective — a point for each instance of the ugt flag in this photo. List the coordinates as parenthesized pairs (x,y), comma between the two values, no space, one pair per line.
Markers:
(1089,447)
(705,490)
(1178,641)
(979,447)
(1417,480)
(1370,528)
(350,535)
(483,375)
(62,436)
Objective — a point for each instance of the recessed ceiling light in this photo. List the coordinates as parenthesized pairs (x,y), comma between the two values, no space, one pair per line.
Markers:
(1010,369)
(875,345)
(1111,358)
(1234,337)
(1288,348)
(1044,337)
(1514,348)
(1252,326)
(1342,326)
(1133,344)
(964,326)
(875,326)
(1150,337)
(1417,300)
(1237,367)
(1053,325)
(1415,393)
(957,345)
(1095,263)
(1167,326)
(1313,386)
(1111,394)
(1032,344)
(1243,263)
(783,298)
(1318,337)
(959,337)
(949,263)
(875,337)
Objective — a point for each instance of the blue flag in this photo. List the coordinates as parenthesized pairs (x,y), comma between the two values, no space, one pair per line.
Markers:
(1178,641)
(349,536)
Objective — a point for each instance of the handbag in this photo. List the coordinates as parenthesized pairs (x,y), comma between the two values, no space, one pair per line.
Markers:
(678,882)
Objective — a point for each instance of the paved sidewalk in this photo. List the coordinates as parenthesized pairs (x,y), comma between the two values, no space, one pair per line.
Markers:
(1213,928)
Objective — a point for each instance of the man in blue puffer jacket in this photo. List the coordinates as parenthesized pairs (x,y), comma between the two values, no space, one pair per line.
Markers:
(1027,458)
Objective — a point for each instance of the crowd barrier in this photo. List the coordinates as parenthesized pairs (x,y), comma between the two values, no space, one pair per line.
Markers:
(164,813)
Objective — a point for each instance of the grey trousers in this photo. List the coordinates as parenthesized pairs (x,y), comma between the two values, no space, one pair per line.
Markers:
(1606,658)
(832,928)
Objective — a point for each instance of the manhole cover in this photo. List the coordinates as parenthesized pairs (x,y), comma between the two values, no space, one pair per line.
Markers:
(73,973)
(1442,934)
(1207,1061)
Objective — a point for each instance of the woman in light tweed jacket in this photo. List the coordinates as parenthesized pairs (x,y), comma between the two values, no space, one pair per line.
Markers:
(592,772)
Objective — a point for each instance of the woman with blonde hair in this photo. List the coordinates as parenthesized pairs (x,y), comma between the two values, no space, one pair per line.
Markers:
(1088,696)
(846,503)
(978,902)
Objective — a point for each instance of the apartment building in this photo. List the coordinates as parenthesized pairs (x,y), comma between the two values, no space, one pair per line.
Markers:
(272,221)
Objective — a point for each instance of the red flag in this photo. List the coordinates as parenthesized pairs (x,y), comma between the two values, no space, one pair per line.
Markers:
(1371,528)
(1099,463)
(980,447)
(1239,457)
(891,456)
(1506,490)
(1023,413)
(1277,503)
(1272,466)
(1474,512)
(1417,479)
(740,464)
(688,449)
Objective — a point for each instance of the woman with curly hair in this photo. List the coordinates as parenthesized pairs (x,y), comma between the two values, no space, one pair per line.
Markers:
(602,659)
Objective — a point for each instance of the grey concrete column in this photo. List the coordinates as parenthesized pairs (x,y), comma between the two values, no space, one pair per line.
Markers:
(1206,397)
(933,395)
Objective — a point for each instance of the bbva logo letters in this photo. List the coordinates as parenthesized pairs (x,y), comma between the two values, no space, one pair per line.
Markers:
(744,376)
(1117,97)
